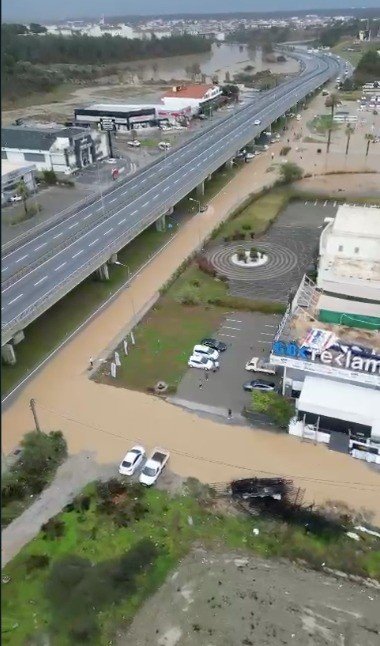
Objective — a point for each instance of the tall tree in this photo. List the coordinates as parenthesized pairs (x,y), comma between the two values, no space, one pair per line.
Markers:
(332,101)
(368,137)
(349,131)
(22,191)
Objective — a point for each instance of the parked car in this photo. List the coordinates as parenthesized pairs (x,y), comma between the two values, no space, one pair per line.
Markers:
(257,122)
(132,461)
(257,384)
(203,363)
(205,351)
(203,208)
(154,466)
(15,198)
(164,145)
(214,344)
(134,143)
(249,156)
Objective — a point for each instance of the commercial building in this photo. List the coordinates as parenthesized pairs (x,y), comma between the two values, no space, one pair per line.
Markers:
(200,97)
(123,117)
(13,173)
(63,150)
(328,342)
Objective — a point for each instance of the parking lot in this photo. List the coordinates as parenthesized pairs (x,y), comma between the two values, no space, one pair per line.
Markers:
(246,335)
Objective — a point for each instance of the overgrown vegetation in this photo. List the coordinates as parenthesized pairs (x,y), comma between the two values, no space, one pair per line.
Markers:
(40,456)
(290,173)
(277,408)
(368,68)
(88,583)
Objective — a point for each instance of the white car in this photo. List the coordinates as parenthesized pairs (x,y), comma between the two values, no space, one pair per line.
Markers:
(111,160)
(134,143)
(164,145)
(203,363)
(154,466)
(16,198)
(249,156)
(206,351)
(132,461)
(257,122)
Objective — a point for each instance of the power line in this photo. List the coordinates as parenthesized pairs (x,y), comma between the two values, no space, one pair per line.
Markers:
(361,486)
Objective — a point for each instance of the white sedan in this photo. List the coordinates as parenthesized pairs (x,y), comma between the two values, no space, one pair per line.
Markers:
(257,122)
(134,143)
(203,363)
(132,461)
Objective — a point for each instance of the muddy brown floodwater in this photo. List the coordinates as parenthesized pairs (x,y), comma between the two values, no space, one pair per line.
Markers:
(230,599)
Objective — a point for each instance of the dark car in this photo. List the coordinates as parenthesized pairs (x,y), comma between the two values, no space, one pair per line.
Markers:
(259,384)
(214,344)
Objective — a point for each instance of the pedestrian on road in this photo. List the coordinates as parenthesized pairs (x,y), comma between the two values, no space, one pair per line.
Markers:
(200,385)
(214,369)
(272,155)
(206,375)
(91,362)
(229,413)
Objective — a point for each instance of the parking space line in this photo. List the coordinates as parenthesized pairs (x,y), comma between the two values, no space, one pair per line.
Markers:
(267,333)
(228,327)
(232,336)
(234,321)
(269,342)
(274,326)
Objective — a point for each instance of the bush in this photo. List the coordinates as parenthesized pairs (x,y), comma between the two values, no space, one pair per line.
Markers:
(49,177)
(253,253)
(284,150)
(54,528)
(36,562)
(290,173)
(206,266)
(278,409)
(241,255)
(189,296)
(246,226)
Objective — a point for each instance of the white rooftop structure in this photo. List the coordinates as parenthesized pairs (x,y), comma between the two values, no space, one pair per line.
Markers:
(340,400)
(349,251)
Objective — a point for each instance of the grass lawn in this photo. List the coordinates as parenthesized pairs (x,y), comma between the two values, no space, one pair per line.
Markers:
(100,540)
(322,123)
(355,56)
(54,326)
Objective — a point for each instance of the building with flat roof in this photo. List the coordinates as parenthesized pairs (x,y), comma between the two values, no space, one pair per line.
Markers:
(14,172)
(200,97)
(349,254)
(63,150)
(124,117)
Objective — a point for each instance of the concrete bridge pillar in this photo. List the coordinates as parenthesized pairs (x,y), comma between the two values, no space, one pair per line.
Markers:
(200,189)
(170,211)
(18,337)
(8,354)
(161,223)
(209,177)
(230,163)
(113,260)
(103,272)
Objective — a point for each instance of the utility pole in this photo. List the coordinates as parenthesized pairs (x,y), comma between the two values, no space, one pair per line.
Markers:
(32,404)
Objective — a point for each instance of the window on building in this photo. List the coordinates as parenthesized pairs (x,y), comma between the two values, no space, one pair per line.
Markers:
(40,157)
(4,154)
(340,248)
(356,249)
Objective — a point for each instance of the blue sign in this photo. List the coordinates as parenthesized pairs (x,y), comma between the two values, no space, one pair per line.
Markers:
(290,349)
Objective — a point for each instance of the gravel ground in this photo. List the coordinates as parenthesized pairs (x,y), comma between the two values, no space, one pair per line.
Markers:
(235,600)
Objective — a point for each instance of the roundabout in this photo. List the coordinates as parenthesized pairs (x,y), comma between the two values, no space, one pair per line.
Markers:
(275,261)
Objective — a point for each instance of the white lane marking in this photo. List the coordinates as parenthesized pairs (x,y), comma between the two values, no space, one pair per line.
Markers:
(78,253)
(93,242)
(74,225)
(60,266)
(100,208)
(58,235)
(228,327)
(155,197)
(22,258)
(41,245)
(15,299)
(125,192)
(87,216)
(4,269)
(114,200)
(269,342)
(267,333)
(121,221)
(145,203)
(166,188)
(109,231)
(267,325)
(133,212)
(232,336)
(234,320)
(40,281)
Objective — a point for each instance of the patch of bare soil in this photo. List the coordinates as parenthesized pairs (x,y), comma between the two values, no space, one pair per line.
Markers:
(234,600)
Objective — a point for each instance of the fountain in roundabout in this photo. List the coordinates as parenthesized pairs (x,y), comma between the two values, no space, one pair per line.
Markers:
(249,258)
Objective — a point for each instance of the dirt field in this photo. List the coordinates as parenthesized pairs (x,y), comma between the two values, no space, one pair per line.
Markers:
(231,600)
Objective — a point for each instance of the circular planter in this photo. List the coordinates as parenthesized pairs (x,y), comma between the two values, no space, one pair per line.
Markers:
(249,263)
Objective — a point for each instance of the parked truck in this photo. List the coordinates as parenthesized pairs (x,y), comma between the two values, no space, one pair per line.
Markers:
(154,466)
(258,365)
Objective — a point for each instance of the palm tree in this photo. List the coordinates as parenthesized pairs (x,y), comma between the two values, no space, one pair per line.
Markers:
(349,130)
(368,137)
(332,101)
(155,68)
(23,192)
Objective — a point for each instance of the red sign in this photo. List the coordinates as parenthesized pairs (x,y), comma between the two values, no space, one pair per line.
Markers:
(115,173)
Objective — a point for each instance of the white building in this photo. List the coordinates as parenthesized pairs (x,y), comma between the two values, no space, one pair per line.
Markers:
(63,150)
(199,97)
(349,250)
(13,173)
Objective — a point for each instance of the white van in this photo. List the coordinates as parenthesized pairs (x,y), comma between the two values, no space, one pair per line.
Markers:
(164,145)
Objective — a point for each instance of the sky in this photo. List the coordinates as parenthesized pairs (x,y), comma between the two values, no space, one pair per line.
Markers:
(47,10)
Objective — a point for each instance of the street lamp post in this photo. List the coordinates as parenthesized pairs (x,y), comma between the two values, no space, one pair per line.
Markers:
(120,264)
(192,199)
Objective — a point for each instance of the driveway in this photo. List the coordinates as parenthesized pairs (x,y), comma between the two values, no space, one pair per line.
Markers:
(246,334)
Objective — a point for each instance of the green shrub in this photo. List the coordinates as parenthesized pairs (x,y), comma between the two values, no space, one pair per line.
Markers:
(37,562)
(54,528)
(284,150)
(49,177)
(278,409)
(290,173)
(188,296)
(246,226)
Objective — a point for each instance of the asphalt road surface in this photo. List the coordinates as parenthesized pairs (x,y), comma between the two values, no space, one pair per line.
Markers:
(41,271)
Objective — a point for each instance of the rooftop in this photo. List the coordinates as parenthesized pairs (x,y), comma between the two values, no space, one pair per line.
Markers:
(25,138)
(337,399)
(190,91)
(357,220)
(11,167)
